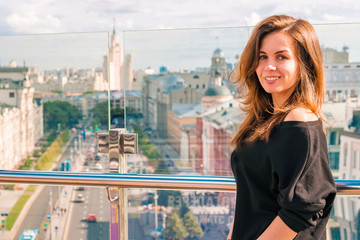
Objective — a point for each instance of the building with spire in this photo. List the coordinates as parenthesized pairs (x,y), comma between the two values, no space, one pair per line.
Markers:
(119,74)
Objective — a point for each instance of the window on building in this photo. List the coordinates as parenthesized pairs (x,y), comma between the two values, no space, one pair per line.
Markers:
(334,160)
(345,153)
(204,86)
(11,94)
(354,159)
(333,138)
(345,234)
(197,85)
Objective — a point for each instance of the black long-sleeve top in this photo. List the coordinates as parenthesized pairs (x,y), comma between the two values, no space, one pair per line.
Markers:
(287,176)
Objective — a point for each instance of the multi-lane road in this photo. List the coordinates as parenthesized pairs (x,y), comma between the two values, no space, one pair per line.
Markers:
(95,202)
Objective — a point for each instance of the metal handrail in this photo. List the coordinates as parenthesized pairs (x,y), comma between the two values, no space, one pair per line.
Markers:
(188,182)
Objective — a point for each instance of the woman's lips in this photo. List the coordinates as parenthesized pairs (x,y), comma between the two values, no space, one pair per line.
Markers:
(271,80)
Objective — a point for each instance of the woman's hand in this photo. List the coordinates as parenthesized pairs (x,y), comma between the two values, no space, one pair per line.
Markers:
(277,230)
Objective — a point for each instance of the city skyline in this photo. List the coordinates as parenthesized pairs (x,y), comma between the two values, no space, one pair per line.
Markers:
(51,35)
(178,49)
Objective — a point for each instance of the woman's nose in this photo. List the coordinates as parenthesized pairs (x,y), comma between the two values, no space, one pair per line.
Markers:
(270,67)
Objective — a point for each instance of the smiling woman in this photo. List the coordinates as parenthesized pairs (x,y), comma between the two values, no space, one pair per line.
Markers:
(285,189)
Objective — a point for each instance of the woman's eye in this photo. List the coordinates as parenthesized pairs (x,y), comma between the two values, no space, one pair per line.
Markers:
(282,57)
(262,57)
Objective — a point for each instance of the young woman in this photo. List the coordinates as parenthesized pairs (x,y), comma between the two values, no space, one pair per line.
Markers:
(285,189)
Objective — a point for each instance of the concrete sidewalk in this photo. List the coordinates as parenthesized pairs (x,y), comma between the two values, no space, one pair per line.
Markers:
(61,214)
(7,200)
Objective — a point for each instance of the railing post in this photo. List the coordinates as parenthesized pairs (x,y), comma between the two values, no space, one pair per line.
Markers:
(118,143)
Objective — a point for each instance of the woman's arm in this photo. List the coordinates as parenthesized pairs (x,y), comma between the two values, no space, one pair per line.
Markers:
(277,230)
(231,229)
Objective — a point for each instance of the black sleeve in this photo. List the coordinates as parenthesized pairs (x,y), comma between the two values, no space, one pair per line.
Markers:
(302,176)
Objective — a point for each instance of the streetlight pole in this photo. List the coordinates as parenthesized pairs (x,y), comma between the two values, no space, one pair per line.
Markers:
(156,210)
(50,226)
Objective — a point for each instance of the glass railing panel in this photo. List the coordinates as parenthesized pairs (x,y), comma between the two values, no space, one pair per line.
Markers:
(54,90)
(54,98)
(166,214)
(182,128)
(184,120)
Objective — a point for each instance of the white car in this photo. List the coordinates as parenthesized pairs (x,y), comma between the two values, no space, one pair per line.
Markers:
(98,166)
(80,198)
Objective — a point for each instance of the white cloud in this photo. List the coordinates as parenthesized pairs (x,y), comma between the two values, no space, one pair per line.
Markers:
(30,23)
(253,19)
(36,16)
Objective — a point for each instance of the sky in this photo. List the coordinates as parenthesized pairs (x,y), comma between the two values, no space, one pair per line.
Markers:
(82,25)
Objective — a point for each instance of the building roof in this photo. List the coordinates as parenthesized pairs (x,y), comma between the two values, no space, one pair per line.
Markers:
(6,83)
(186,110)
(128,93)
(4,106)
(13,69)
(334,114)
(171,82)
(213,91)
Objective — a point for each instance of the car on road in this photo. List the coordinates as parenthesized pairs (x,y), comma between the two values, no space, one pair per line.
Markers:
(29,234)
(91,217)
(98,166)
(79,188)
(80,198)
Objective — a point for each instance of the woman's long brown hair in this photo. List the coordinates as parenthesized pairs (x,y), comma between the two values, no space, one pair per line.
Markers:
(261,117)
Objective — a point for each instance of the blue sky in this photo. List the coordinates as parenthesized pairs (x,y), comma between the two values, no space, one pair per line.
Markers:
(48,17)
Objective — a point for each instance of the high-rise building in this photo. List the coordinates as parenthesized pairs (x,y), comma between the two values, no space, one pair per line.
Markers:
(119,74)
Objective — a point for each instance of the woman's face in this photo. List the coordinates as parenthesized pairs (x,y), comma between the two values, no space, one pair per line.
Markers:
(277,69)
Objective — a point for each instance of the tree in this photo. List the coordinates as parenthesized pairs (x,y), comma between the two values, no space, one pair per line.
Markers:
(192,225)
(60,112)
(175,228)
(101,113)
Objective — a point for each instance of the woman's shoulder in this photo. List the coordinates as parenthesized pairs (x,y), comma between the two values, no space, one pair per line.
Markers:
(301,115)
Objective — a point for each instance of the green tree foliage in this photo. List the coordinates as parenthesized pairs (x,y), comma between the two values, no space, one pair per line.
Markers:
(51,154)
(192,225)
(175,228)
(101,113)
(183,208)
(60,112)
(150,151)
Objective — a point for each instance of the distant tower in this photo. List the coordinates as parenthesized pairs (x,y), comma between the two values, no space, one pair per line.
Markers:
(216,93)
(218,64)
(115,61)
